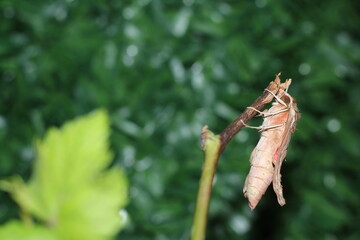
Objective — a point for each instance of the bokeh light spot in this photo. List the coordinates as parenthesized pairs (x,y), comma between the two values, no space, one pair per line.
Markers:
(2,122)
(304,69)
(260,3)
(239,224)
(329,180)
(132,50)
(333,125)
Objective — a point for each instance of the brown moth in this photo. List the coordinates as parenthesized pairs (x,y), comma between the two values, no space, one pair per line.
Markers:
(266,159)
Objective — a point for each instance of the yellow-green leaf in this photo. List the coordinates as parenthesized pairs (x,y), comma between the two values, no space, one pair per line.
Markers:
(93,213)
(70,190)
(15,230)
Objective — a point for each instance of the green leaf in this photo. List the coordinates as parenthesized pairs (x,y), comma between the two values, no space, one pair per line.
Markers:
(15,230)
(70,190)
(93,213)
(70,157)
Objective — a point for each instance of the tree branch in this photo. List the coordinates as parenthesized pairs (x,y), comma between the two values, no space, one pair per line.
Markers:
(213,146)
(249,113)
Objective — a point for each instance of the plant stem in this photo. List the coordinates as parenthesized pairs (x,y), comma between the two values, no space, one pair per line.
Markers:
(212,150)
(213,146)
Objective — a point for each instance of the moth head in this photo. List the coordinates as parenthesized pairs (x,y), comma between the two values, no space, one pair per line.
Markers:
(286,99)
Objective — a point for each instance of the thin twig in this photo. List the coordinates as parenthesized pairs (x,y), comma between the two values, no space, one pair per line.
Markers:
(249,113)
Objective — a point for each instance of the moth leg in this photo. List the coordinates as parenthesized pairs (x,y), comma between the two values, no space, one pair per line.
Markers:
(277,98)
(266,113)
(248,126)
(260,112)
(277,112)
(272,126)
(261,128)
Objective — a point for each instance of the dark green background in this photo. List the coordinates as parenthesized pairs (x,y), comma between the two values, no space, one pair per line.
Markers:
(165,68)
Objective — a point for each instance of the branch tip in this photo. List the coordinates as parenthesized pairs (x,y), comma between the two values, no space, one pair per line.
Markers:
(204,132)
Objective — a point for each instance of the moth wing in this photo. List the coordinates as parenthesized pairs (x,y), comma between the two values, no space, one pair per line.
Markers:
(277,180)
(290,126)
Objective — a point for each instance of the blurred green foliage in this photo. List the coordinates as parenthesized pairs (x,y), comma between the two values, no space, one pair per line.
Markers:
(69,191)
(163,69)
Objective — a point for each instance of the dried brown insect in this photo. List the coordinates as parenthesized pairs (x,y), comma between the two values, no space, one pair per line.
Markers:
(266,159)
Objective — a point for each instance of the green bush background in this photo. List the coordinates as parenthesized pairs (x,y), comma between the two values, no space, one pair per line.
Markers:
(163,69)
